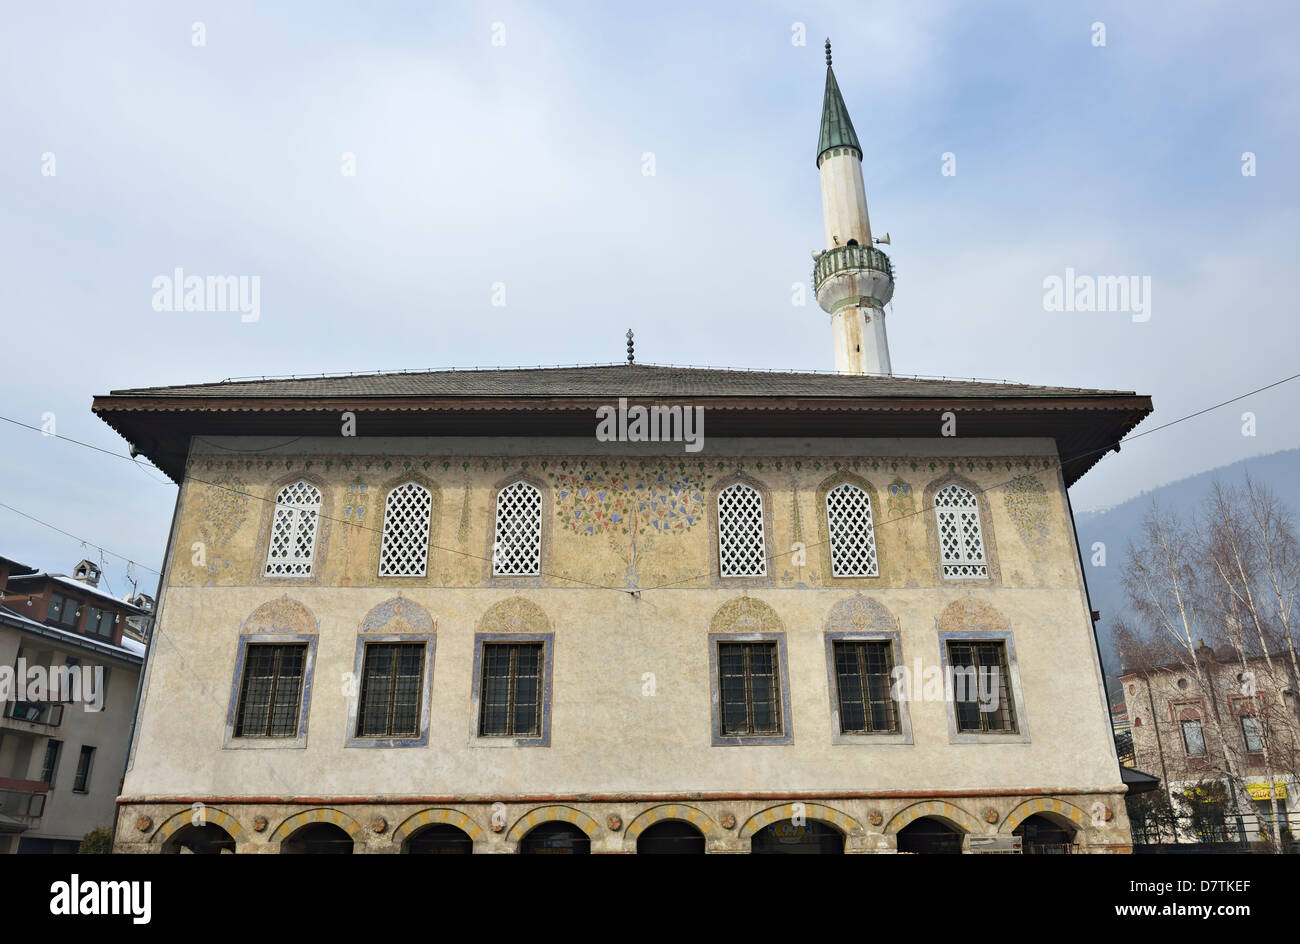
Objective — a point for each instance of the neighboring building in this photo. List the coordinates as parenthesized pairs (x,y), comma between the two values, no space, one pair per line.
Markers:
(471,623)
(62,741)
(1174,720)
(1123,731)
(137,627)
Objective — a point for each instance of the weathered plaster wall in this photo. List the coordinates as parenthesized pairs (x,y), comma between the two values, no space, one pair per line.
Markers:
(622,521)
(626,522)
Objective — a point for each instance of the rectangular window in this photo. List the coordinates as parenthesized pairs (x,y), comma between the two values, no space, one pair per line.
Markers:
(82,782)
(391,683)
(99,622)
(1193,737)
(107,621)
(1251,732)
(511,694)
(749,685)
(63,610)
(50,766)
(862,676)
(271,695)
(981,687)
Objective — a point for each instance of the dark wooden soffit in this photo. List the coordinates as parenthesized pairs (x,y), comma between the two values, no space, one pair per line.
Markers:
(1085,428)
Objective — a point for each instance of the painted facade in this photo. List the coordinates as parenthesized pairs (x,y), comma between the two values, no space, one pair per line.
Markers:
(629,596)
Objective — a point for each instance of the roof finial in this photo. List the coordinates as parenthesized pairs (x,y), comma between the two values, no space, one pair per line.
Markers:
(631,357)
(828,51)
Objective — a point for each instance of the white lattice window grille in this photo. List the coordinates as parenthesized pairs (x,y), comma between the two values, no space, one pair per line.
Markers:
(517,549)
(293,531)
(741,549)
(961,541)
(404,551)
(853,534)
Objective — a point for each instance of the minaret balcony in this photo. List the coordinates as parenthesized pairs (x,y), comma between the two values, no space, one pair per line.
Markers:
(846,273)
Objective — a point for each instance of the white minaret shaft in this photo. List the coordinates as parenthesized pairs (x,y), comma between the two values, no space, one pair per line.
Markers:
(853,279)
(844,201)
(860,343)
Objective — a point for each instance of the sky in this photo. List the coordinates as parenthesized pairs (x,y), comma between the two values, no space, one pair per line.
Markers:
(502,152)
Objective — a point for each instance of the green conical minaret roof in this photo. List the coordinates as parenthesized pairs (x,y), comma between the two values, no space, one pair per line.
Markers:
(837,129)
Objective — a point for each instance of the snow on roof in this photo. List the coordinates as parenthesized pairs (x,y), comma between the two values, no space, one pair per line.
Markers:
(130,649)
(82,586)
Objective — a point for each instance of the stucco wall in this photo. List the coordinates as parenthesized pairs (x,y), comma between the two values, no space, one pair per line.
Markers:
(606,734)
(67,814)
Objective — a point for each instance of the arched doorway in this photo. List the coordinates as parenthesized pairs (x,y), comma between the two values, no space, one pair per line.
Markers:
(929,836)
(556,839)
(318,839)
(813,837)
(439,839)
(208,839)
(670,837)
(1044,836)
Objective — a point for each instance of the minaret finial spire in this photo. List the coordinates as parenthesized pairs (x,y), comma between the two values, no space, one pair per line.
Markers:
(631,354)
(837,128)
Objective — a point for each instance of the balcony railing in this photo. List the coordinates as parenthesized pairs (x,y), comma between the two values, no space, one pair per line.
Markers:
(23,799)
(842,258)
(46,713)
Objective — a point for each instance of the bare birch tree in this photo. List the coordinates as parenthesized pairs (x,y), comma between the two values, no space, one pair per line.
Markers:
(1163,586)
(1231,575)
(1248,545)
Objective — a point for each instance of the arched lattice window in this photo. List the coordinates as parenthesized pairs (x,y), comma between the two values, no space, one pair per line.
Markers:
(404,551)
(853,534)
(961,541)
(740,532)
(517,551)
(293,531)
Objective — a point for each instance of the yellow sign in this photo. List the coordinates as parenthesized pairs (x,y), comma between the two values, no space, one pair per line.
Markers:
(1259,791)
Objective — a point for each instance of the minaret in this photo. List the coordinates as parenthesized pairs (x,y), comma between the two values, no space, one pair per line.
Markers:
(852,278)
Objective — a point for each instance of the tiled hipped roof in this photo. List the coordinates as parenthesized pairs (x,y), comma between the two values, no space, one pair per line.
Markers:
(160,422)
(619,380)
